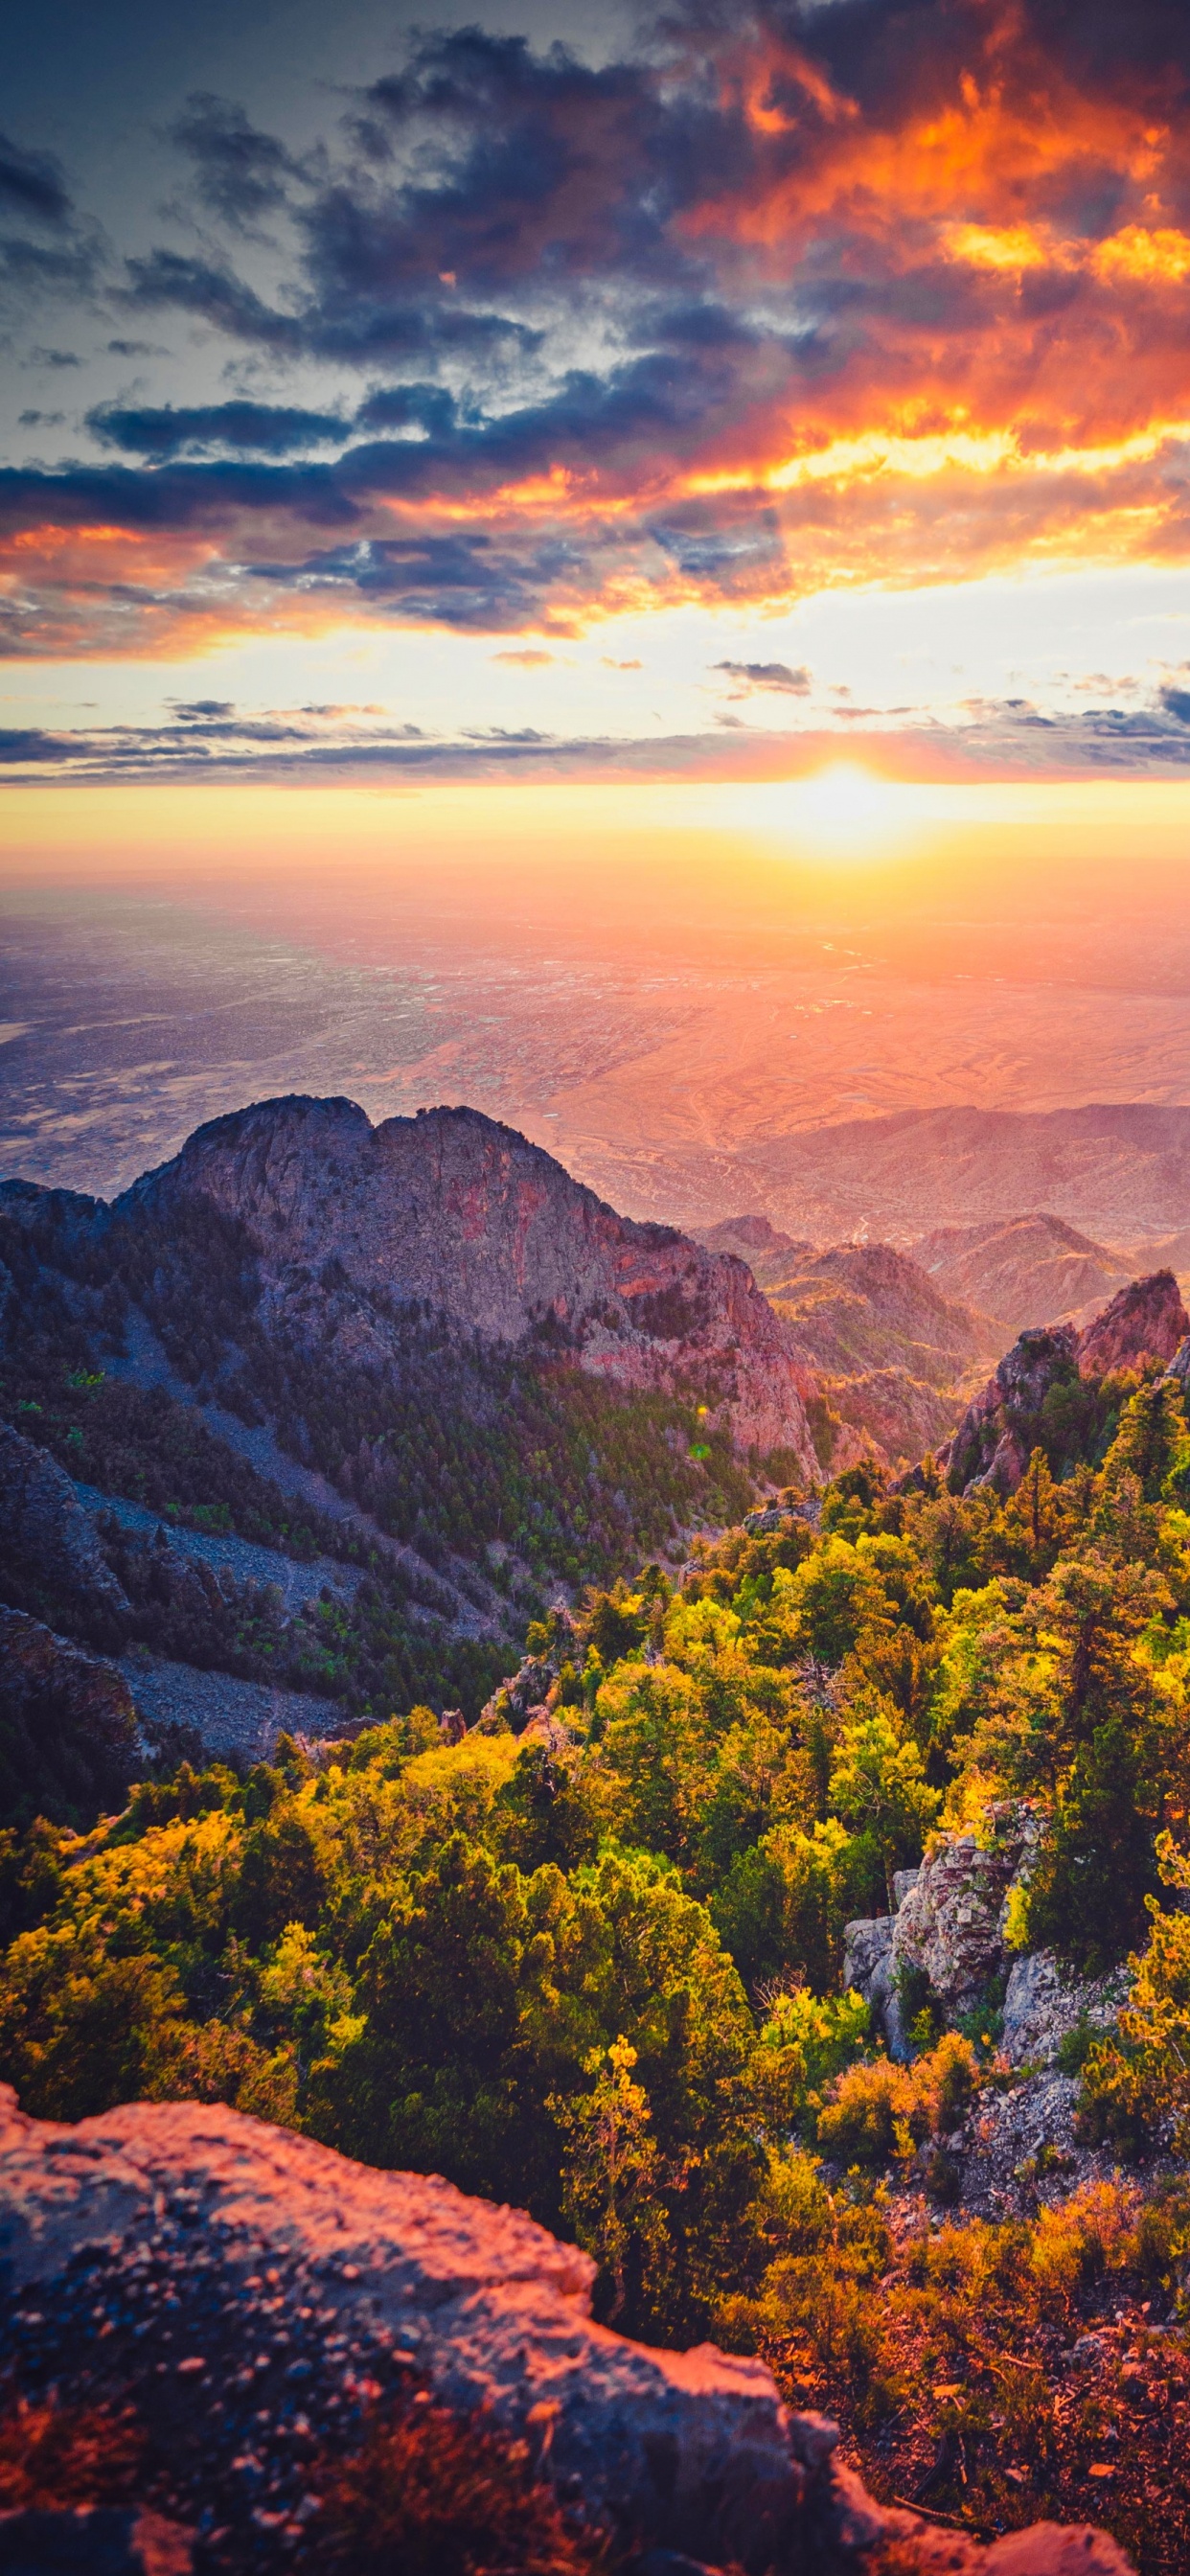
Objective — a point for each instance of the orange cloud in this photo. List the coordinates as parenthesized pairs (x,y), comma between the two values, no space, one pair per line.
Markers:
(909,315)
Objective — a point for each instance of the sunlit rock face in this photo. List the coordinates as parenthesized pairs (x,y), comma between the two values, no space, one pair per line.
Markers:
(453,1209)
(1146,1321)
(690,2451)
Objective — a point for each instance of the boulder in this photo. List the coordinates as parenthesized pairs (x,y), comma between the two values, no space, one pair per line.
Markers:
(688,2452)
(865,1943)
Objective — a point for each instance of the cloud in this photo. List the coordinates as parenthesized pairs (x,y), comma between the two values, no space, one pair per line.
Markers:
(531,659)
(242,173)
(52,250)
(31,184)
(241,428)
(767,675)
(777,300)
(209,739)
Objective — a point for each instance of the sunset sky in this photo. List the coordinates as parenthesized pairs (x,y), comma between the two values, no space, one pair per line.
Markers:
(712,393)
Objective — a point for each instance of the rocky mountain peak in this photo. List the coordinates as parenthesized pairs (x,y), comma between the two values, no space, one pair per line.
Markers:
(453,1209)
(1145,1321)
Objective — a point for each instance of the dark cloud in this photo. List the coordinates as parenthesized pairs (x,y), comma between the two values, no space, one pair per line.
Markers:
(242,174)
(173,279)
(31,184)
(245,428)
(1176,703)
(768,675)
(41,419)
(49,249)
(459,580)
(176,497)
(430,408)
(356,329)
(51,358)
(21,745)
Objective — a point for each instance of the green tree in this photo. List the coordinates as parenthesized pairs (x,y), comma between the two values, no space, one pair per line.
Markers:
(878,1784)
(1151,1443)
(612,2178)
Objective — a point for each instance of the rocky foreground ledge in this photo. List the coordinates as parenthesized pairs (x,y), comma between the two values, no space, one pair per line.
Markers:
(246,2287)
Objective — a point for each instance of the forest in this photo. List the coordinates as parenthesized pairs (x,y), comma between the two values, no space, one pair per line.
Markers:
(596,1968)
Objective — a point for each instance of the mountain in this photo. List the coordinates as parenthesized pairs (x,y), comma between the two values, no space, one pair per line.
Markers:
(1033,1397)
(865,1305)
(755,1240)
(1119,1170)
(885,1352)
(349,1224)
(1022,1271)
(312,1422)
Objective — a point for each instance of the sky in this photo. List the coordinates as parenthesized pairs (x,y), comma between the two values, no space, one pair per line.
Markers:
(717,394)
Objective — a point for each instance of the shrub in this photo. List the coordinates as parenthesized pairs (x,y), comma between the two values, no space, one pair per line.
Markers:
(871,2115)
(946,2080)
(430,2496)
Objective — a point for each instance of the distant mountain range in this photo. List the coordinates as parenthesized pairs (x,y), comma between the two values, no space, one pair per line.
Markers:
(1117,1172)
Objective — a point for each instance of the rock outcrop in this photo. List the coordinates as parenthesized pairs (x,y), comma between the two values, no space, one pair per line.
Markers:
(993,1442)
(1042,2007)
(690,2451)
(1144,1322)
(452,1209)
(948,1927)
(951,1925)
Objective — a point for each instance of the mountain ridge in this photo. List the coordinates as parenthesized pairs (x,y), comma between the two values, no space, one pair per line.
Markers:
(454,1207)
(1119,1170)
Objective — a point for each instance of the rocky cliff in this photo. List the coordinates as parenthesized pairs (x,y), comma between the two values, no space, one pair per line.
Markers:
(238,2282)
(454,1210)
(1144,1322)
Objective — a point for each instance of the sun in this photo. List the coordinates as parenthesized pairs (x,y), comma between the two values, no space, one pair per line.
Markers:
(836,814)
(844,806)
